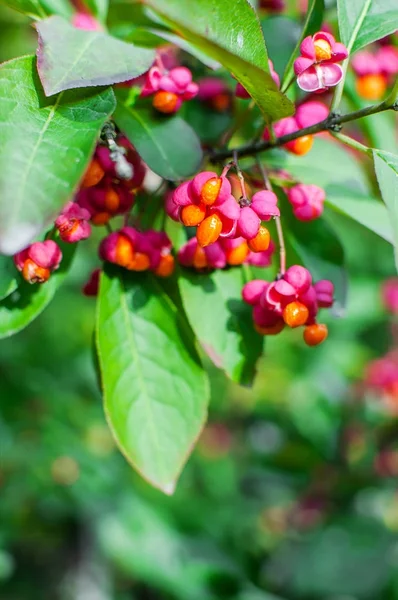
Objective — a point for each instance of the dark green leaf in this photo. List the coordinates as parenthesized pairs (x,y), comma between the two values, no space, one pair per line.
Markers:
(276,29)
(46,145)
(41,8)
(74,58)
(155,389)
(312,24)
(8,276)
(168,145)
(221,321)
(362,22)
(28,301)
(208,123)
(231,37)
(386,166)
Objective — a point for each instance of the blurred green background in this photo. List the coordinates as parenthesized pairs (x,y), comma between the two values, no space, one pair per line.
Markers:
(286,496)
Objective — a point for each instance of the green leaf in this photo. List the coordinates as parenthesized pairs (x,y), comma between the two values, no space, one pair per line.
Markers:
(231,37)
(185,45)
(276,29)
(74,58)
(99,8)
(368,211)
(46,144)
(28,301)
(8,276)
(208,123)
(312,24)
(362,22)
(221,321)
(41,8)
(155,389)
(168,145)
(319,248)
(386,166)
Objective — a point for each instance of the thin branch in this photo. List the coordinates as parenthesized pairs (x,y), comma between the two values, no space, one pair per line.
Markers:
(332,123)
(348,141)
(240,176)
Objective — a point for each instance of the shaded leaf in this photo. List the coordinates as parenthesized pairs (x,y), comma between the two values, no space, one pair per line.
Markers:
(47,156)
(276,29)
(386,166)
(221,321)
(41,8)
(99,8)
(155,389)
(8,276)
(231,37)
(74,58)
(168,145)
(362,22)
(26,303)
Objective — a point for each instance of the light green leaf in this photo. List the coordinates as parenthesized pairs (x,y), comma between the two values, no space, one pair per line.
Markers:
(8,276)
(362,22)
(386,166)
(40,9)
(168,145)
(73,58)
(99,8)
(221,321)
(46,145)
(20,308)
(155,389)
(231,37)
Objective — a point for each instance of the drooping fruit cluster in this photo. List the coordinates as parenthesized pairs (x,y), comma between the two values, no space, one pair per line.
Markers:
(291,300)
(225,252)
(38,261)
(306,200)
(316,68)
(206,202)
(375,71)
(169,88)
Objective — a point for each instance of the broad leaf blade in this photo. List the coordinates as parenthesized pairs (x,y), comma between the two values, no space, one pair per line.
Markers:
(386,166)
(231,37)
(168,145)
(312,24)
(155,389)
(8,276)
(41,8)
(221,321)
(362,22)
(46,145)
(73,58)
(19,309)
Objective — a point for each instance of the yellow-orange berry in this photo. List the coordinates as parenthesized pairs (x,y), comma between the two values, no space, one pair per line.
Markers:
(209,230)
(111,200)
(315,334)
(139,262)
(237,256)
(271,329)
(165,102)
(221,102)
(371,87)
(323,50)
(124,252)
(32,273)
(100,218)
(93,175)
(193,214)
(295,314)
(261,241)
(302,145)
(210,190)
(166,266)
(199,259)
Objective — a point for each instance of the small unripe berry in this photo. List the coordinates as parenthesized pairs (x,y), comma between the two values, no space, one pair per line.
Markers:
(301,146)
(271,329)
(93,175)
(295,314)
(323,50)
(372,86)
(166,266)
(165,102)
(237,256)
(261,241)
(193,214)
(33,273)
(315,334)
(209,230)
(210,190)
